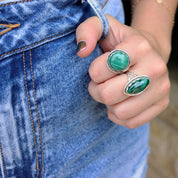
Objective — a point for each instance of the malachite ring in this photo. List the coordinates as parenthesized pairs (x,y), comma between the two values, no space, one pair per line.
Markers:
(136,84)
(118,61)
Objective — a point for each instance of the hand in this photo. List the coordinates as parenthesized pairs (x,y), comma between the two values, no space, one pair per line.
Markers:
(107,87)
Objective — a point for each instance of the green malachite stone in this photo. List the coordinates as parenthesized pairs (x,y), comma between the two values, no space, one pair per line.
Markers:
(119,61)
(138,86)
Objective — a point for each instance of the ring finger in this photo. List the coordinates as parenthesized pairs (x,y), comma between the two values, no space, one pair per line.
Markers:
(112,91)
(141,118)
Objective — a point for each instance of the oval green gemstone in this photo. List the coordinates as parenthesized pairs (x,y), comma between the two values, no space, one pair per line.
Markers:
(138,86)
(119,61)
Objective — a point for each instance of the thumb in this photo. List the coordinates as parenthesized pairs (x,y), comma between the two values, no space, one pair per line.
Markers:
(88,34)
(116,35)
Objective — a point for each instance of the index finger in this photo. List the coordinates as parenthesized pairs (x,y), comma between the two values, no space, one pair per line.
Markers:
(99,69)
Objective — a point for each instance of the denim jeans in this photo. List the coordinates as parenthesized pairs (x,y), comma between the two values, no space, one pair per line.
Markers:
(49,124)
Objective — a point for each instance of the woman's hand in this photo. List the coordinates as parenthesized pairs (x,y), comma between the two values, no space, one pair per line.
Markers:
(107,87)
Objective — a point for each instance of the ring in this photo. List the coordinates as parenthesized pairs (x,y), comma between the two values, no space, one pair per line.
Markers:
(136,84)
(118,61)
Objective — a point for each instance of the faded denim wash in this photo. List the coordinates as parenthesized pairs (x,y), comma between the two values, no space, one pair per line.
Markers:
(49,124)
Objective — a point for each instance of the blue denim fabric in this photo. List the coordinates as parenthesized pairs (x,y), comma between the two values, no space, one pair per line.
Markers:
(100,13)
(49,124)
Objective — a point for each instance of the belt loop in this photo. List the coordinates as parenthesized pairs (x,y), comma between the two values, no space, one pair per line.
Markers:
(99,12)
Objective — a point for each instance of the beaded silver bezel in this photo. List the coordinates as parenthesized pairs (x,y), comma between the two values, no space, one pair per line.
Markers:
(131,81)
(108,58)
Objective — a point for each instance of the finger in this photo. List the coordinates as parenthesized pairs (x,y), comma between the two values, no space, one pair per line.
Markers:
(109,92)
(99,71)
(117,33)
(139,53)
(136,105)
(87,35)
(143,117)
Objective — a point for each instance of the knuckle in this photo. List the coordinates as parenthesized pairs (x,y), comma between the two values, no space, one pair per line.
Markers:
(121,114)
(94,73)
(106,96)
(158,69)
(161,67)
(164,104)
(110,115)
(166,87)
(130,125)
(143,45)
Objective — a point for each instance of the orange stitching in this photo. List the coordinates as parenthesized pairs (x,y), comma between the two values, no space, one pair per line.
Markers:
(29,106)
(36,43)
(2,156)
(10,27)
(14,3)
(34,91)
(5,31)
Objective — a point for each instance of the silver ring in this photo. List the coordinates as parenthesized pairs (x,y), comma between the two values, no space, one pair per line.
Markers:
(136,84)
(118,61)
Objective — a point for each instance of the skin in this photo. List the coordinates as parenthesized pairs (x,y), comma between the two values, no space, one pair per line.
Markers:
(148,42)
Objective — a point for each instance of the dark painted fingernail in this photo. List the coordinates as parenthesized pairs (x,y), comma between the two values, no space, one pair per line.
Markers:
(81,46)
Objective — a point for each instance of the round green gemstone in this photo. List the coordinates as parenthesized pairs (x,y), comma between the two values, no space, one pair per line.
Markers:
(138,86)
(119,61)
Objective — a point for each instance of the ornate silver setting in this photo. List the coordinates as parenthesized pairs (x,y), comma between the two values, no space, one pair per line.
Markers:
(108,58)
(132,78)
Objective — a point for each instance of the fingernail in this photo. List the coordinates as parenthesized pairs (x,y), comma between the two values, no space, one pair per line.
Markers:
(81,46)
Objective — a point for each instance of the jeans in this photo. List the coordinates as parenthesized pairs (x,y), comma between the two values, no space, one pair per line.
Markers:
(49,124)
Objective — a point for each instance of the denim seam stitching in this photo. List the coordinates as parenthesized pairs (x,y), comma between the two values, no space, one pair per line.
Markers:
(3,162)
(9,28)
(29,106)
(105,4)
(37,43)
(17,2)
(99,14)
(36,105)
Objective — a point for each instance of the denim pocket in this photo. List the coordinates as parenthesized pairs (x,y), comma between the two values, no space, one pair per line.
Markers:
(38,22)
(2,2)
(19,133)
(41,93)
